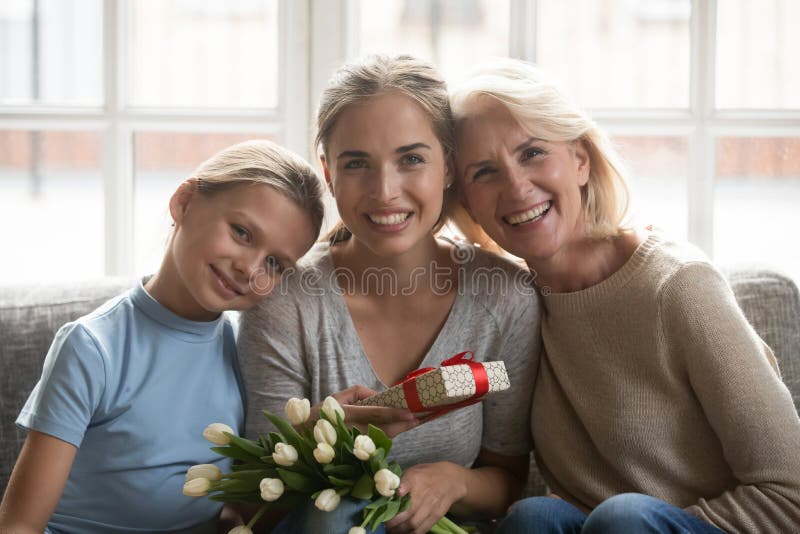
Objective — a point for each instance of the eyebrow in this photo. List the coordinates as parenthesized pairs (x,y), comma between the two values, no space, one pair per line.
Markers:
(413,146)
(353,154)
(522,146)
(255,228)
(400,150)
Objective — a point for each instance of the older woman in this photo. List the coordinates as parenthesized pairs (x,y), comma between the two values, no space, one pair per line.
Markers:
(657,407)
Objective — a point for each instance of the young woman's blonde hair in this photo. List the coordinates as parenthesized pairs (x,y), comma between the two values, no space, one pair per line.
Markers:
(547,113)
(267,163)
(376,75)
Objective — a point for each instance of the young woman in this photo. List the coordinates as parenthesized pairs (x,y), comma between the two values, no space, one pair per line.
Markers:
(126,391)
(384,297)
(657,407)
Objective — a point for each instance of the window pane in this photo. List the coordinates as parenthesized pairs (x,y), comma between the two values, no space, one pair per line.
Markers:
(757,196)
(453,34)
(51,51)
(162,160)
(51,206)
(617,53)
(757,47)
(190,54)
(657,167)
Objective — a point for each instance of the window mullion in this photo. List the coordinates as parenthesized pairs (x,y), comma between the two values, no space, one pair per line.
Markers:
(117,146)
(522,31)
(701,142)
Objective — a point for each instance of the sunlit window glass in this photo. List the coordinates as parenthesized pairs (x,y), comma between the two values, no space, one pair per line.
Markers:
(453,34)
(51,52)
(187,53)
(657,169)
(757,196)
(757,54)
(617,53)
(162,160)
(51,206)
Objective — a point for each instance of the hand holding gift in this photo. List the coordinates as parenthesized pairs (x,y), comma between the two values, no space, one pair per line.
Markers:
(323,462)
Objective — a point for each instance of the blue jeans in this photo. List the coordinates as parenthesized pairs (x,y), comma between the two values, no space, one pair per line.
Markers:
(308,518)
(631,513)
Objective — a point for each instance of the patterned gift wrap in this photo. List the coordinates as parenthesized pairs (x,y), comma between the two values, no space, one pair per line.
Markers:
(443,386)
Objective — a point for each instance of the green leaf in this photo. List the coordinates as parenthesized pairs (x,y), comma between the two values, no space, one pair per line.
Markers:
(274,439)
(380,438)
(235,453)
(376,461)
(289,433)
(363,488)
(236,485)
(376,517)
(249,446)
(342,432)
(264,442)
(297,481)
(341,471)
(376,503)
(256,474)
(395,468)
(341,482)
(405,503)
(389,512)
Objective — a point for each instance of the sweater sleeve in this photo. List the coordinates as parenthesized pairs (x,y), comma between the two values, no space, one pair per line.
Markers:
(731,372)
(272,359)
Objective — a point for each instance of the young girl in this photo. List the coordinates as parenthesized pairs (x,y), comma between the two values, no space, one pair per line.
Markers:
(384,297)
(118,415)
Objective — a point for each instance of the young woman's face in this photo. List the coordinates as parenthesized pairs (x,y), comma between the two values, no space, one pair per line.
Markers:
(387,170)
(523,191)
(231,247)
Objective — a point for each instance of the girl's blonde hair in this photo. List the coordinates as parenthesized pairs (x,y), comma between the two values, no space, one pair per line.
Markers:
(376,75)
(267,163)
(546,112)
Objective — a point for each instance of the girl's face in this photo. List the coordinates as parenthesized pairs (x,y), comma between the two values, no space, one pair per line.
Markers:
(388,172)
(230,248)
(523,191)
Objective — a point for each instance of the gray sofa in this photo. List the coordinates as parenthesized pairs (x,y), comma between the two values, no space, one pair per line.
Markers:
(30,316)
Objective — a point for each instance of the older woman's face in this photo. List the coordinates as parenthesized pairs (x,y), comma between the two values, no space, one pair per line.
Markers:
(523,191)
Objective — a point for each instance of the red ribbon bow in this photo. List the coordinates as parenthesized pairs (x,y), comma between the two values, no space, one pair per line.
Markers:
(478,371)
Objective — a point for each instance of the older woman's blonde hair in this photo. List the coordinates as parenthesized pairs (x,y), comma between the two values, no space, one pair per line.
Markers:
(547,113)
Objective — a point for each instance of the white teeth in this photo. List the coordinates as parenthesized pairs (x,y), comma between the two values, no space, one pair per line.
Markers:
(530,215)
(395,218)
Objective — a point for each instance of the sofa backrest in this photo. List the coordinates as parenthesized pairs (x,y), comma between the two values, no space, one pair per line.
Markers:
(31,315)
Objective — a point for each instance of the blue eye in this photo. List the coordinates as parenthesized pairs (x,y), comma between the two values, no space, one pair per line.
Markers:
(273,264)
(355,164)
(412,159)
(241,232)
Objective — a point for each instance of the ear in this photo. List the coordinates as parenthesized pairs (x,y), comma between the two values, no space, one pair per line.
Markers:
(449,173)
(180,200)
(326,171)
(583,162)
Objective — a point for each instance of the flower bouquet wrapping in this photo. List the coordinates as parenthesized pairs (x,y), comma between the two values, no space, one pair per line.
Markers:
(323,462)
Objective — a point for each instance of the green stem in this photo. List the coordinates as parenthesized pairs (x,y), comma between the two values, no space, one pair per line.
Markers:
(450,526)
(368,518)
(258,515)
(438,528)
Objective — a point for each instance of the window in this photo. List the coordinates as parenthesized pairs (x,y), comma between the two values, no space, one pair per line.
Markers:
(107,105)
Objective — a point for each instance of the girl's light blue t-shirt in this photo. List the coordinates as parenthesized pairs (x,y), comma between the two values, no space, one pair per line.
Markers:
(133,385)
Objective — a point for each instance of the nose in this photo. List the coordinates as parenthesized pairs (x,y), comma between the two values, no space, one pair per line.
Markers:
(246,264)
(519,182)
(385,184)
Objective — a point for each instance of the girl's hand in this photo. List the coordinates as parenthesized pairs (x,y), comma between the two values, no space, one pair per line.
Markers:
(392,421)
(434,488)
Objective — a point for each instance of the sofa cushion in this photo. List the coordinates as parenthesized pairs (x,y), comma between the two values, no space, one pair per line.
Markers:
(29,319)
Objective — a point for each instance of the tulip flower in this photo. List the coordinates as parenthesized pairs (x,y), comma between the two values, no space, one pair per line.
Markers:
(284,455)
(209,471)
(327,500)
(215,433)
(324,432)
(363,447)
(331,407)
(386,482)
(242,529)
(197,487)
(324,453)
(357,530)
(271,489)
(298,410)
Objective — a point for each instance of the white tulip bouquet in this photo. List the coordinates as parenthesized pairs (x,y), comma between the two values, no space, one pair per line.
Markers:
(324,462)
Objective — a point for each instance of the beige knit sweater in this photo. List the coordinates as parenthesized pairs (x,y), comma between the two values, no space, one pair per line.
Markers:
(654,382)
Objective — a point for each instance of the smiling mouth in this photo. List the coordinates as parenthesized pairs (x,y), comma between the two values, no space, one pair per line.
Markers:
(389,220)
(532,215)
(225,283)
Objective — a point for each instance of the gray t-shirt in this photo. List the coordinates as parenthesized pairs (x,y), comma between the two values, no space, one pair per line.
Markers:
(301,342)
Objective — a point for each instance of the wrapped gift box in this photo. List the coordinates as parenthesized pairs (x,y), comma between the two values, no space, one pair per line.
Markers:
(441,387)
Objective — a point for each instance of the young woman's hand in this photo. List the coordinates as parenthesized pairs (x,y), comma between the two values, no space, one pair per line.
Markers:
(392,421)
(434,488)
